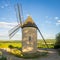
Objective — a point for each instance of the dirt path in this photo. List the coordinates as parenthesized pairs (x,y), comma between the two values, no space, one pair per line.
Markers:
(53,55)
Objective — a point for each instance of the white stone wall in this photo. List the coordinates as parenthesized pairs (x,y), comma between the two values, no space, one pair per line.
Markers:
(29,45)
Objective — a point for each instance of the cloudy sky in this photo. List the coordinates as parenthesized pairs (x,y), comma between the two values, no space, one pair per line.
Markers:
(45,13)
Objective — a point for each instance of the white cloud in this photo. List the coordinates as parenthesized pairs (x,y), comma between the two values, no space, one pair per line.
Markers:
(56,18)
(28,15)
(7,25)
(58,22)
(4,32)
(4,36)
(17,37)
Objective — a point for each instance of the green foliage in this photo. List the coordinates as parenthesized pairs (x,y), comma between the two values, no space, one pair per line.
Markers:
(3,58)
(57,44)
(58,37)
(10,46)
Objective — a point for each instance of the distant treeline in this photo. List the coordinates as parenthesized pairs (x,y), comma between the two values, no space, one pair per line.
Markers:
(10,41)
(17,41)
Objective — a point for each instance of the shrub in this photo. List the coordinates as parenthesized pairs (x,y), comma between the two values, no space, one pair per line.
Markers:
(3,58)
(10,46)
(57,44)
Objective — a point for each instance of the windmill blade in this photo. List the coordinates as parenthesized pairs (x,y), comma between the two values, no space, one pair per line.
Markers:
(21,12)
(42,37)
(18,13)
(13,31)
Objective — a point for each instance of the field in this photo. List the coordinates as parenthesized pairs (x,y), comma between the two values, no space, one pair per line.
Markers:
(5,44)
(40,43)
(50,43)
(16,54)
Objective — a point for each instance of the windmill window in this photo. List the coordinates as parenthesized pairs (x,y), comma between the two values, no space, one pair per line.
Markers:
(29,38)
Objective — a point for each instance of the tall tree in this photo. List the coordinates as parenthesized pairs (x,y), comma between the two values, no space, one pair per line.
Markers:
(57,44)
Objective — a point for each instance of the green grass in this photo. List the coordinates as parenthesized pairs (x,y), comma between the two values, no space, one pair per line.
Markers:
(5,44)
(40,43)
(50,43)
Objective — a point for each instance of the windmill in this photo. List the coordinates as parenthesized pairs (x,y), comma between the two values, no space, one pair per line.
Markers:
(29,33)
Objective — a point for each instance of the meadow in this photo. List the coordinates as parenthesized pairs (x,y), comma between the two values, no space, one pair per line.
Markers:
(40,43)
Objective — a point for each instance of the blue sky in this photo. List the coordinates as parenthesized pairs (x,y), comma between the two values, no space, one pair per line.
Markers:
(45,13)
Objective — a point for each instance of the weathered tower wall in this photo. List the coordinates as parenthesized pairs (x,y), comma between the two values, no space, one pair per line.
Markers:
(29,39)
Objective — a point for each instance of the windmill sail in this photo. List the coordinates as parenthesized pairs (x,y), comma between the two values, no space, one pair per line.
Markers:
(42,37)
(18,14)
(13,31)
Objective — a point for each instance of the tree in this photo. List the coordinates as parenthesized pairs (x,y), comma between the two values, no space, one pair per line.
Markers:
(57,44)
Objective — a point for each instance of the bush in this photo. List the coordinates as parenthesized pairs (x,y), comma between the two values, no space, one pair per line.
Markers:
(3,58)
(57,44)
(10,46)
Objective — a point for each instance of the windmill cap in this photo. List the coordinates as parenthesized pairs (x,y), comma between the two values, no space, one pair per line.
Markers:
(29,23)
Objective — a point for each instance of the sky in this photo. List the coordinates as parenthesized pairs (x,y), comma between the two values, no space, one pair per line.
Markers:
(45,13)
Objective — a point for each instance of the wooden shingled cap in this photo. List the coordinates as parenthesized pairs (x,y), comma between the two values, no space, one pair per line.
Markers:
(29,23)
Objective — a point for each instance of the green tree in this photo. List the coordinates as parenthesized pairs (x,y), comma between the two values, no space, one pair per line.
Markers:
(57,44)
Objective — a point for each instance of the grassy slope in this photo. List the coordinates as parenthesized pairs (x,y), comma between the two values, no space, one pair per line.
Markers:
(5,44)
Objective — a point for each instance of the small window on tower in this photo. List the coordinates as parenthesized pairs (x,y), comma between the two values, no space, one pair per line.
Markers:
(29,38)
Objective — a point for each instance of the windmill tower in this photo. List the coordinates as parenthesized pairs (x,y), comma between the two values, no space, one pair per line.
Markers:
(29,33)
(29,36)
